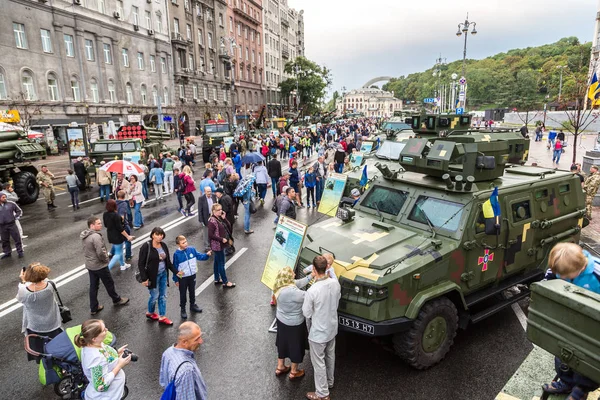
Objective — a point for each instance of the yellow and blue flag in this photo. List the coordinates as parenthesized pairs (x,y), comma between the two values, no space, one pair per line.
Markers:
(491,208)
(594,88)
(364,179)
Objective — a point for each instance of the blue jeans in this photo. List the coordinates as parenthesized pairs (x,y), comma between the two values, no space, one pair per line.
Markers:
(274,187)
(74,191)
(320,185)
(145,188)
(159,293)
(128,243)
(219,266)
(339,168)
(117,252)
(105,192)
(246,215)
(556,156)
(262,190)
(138,219)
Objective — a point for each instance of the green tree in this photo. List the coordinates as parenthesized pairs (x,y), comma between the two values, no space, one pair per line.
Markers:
(312,82)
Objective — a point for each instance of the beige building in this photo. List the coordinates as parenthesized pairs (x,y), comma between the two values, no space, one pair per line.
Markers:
(371,102)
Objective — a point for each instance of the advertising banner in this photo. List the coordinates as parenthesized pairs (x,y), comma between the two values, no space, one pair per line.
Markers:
(285,248)
(133,156)
(356,159)
(76,142)
(366,147)
(228,141)
(332,194)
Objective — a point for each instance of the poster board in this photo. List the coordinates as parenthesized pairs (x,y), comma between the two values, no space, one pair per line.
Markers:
(285,248)
(133,156)
(366,147)
(332,194)
(228,141)
(76,142)
(356,159)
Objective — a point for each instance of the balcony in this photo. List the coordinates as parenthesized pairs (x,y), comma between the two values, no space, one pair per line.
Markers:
(284,21)
(178,39)
(245,16)
(285,53)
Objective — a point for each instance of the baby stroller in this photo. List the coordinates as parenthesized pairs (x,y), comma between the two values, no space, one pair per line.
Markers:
(61,362)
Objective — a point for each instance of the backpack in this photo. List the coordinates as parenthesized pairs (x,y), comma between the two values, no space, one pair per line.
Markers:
(170,393)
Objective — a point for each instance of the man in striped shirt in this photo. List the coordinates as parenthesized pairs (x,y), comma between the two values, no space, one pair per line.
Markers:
(189,383)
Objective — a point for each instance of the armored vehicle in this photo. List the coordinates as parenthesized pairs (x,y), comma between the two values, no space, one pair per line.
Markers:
(215,133)
(434,244)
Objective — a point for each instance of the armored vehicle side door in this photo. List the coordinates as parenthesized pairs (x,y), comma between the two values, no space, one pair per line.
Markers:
(519,238)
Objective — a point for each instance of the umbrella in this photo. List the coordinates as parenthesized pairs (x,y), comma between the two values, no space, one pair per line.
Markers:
(122,167)
(252,158)
(244,185)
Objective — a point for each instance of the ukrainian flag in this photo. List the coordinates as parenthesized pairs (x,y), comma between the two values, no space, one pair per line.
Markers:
(491,213)
(364,179)
(594,88)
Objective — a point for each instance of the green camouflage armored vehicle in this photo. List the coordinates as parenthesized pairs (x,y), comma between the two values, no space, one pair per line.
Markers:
(432,246)
(215,133)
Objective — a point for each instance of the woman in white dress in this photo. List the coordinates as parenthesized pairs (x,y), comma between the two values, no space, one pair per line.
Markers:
(102,365)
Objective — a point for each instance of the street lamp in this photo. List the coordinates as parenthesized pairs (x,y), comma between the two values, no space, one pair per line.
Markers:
(437,72)
(297,70)
(454,76)
(232,47)
(463,27)
(562,68)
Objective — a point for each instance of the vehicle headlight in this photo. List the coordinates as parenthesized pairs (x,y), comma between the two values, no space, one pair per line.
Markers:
(357,289)
(94,160)
(370,291)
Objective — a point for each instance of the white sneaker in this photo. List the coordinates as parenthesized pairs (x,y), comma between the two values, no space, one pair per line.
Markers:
(125,266)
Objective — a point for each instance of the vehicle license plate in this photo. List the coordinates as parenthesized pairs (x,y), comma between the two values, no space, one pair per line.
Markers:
(359,326)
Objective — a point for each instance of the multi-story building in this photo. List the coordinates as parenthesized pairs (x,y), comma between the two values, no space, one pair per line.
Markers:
(284,41)
(371,102)
(201,76)
(85,61)
(246,29)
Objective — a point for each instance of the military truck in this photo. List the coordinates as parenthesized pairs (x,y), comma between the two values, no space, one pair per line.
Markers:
(215,133)
(420,255)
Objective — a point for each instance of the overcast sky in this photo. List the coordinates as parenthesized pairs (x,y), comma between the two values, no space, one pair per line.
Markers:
(361,40)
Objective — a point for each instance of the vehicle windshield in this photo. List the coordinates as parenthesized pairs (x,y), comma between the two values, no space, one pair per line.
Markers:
(396,126)
(387,200)
(215,128)
(390,150)
(441,213)
(99,147)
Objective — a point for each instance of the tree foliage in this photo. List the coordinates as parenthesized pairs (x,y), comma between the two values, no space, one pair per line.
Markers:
(519,78)
(312,81)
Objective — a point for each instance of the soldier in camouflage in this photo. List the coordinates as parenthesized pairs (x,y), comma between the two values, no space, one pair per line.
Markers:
(590,187)
(44,179)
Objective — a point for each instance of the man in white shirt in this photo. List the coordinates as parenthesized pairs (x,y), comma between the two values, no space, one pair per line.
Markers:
(320,307)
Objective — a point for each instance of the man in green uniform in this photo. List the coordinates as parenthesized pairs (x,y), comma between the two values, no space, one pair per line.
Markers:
(590,187)
(44,179)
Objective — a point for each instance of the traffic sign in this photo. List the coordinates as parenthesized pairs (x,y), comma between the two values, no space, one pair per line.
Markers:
(429,100)
(460,110)
(462,80)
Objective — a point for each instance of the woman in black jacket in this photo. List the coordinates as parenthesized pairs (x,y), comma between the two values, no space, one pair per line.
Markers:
(154,263)
(116,233)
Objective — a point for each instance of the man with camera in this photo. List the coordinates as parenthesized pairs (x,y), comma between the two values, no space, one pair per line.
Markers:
(179,366)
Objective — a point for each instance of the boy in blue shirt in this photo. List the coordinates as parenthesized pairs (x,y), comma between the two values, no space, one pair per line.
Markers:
(185,261)
(569,262)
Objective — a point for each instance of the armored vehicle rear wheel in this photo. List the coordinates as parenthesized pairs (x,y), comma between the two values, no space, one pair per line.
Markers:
(432,334)
(26,187)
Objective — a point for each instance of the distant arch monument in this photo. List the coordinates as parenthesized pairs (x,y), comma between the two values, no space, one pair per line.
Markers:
(378,79)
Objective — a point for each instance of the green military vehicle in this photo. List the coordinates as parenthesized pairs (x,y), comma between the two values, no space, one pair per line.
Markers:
(215,134)
(420,254)
(16,154)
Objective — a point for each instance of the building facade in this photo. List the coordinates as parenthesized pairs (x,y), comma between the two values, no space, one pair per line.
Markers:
(85,61)
(201,76)
(284,41)
(371,102)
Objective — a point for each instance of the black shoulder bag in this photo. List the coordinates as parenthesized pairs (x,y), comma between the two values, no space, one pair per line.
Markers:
(138,276)
(65,312)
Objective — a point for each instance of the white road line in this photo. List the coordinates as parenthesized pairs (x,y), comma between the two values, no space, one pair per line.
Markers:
(15,249)
(75,273)
(520,315)
(87,201)
(210,279)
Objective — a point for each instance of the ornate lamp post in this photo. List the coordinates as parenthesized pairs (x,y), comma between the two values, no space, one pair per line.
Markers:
(231,85)
(463,27)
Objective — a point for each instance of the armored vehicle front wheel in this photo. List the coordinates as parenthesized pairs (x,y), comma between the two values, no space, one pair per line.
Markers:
(26,187)
(431,336)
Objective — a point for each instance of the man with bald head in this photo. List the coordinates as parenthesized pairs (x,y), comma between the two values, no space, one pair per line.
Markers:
(179,364)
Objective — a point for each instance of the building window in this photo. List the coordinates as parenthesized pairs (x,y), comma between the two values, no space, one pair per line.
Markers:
(195,91)
(210,40)
(166,96)
(253,56)
(136,15)
(191,61)
(69,49)
(144,94)
(246,32)
(112,94)
(198,10)
(186,4)
(125,56)
(20,39)
(107,53)
(140,60)
(239,29)
(176,26)
(231,24)
(201,63)
(120,7)
(253,35)
(188,31)
(46,41)
(200,37)
(148,19)
(205,92)
(212,67)
(129,93)
(101,7)
(215,94)
(53,88)
(159,23)
(163,65)
(152,63)
(89,50)
(28,86)
(154,96)
(75,92)
(181,91)
(247,54)
(258,39)
(224,94)
(94,91)
(3,91)
(221,22)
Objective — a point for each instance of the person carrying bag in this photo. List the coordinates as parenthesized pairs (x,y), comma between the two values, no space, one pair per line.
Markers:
(65,312)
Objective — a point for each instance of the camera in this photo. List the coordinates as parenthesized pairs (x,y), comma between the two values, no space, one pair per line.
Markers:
(127,352)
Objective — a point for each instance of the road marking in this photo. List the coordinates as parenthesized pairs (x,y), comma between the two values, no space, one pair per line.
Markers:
(15,249)
(520,315)
(87,201)
(75,273)
(210,279)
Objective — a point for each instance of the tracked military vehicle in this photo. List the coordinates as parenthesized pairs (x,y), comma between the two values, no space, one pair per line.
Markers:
(420,255)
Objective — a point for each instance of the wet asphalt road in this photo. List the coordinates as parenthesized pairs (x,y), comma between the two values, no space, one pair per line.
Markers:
(238,357)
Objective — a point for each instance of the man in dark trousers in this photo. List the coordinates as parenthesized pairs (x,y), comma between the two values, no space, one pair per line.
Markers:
(274,170)
(80,171)
(205,203)
(9,214)
(226,203)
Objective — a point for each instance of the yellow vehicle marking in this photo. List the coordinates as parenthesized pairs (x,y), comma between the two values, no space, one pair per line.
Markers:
(580,222)
(525,229)
(358,268)
(486,138)
(369,237)
(443,153)
(331,225)
(453,123)
(525,155)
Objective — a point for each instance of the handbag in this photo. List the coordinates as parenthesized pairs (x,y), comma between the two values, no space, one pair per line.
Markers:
(252,207)
(138,276)
(65,312)
(170,392)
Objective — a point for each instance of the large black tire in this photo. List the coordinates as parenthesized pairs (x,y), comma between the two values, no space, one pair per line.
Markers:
(431,336)
(26,187)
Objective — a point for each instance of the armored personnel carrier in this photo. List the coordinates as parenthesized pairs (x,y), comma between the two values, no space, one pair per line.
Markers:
(434,243)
